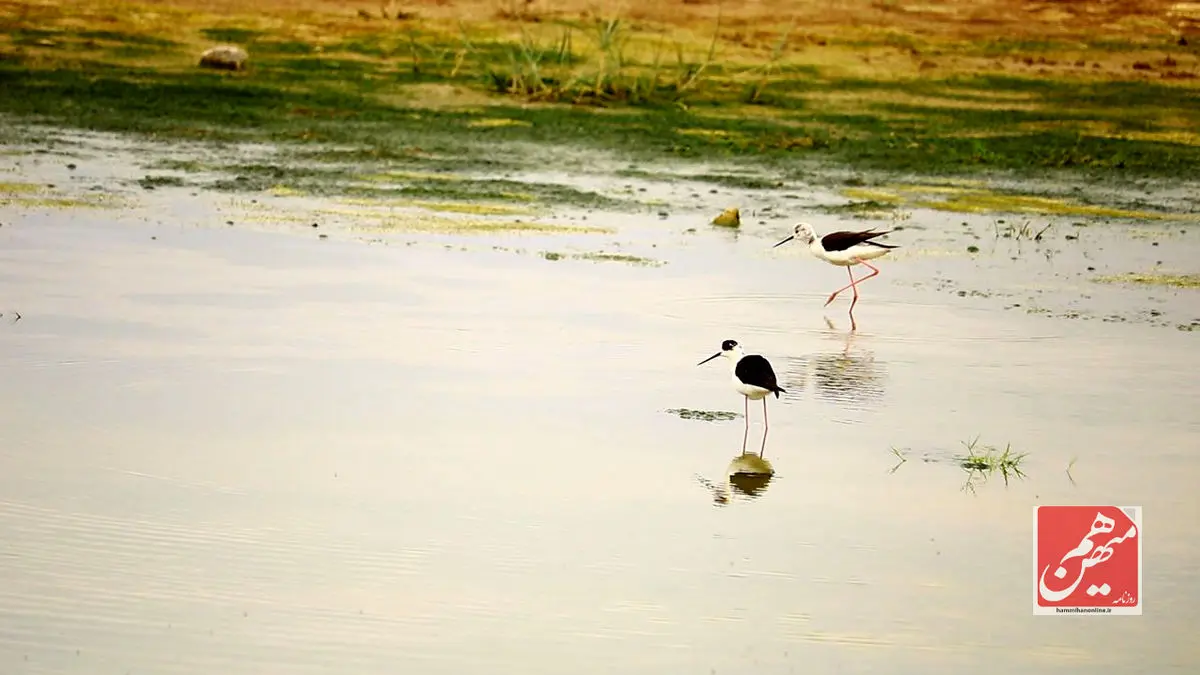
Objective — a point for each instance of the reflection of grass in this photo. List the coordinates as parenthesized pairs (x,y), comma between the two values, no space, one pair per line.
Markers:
(444,225)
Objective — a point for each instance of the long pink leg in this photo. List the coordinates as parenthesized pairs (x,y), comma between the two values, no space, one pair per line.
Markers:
(853,324)
(850,271)
(854,301)
(746,435)
(853,283)
(766,427)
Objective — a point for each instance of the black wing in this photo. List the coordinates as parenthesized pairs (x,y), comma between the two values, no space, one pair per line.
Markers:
(755,370)
(840,241)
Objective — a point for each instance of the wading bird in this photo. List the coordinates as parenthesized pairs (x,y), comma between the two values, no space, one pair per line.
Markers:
(752,377)
(844,249)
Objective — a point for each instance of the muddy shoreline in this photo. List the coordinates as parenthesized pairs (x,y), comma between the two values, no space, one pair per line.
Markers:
(1058,256)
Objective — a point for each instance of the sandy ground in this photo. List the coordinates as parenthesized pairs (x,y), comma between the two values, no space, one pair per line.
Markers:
(250,447)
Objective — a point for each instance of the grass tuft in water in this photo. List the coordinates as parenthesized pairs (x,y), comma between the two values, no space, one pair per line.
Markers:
(1025,230)
(982,461)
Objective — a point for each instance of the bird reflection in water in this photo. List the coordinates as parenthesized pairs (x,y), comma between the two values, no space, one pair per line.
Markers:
(747,475)
(848,376)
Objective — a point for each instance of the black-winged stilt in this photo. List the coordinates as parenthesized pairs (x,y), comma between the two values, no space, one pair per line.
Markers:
(752,377)
(844,249)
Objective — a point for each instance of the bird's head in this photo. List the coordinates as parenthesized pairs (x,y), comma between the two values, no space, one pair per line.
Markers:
(730,349)
(803,233)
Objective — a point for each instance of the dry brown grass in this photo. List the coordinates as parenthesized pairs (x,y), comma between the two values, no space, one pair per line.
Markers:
(953,20)
(849,38)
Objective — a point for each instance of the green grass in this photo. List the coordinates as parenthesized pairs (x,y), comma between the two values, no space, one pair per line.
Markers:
(237,35)
(982,461)
(127,38)
(340,103)
(609,85)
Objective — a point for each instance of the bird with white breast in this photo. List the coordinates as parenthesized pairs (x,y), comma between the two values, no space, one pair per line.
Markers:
(844,249)
(752,377)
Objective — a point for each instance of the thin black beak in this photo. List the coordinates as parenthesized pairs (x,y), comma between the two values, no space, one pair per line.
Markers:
(709,359)
(785,241)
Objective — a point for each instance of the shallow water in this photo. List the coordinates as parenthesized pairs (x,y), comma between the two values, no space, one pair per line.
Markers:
(248,451)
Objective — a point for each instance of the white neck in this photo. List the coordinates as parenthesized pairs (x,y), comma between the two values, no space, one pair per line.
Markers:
(734,355)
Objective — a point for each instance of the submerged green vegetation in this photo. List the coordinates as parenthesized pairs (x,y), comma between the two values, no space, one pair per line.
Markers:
(441,96)
(979,462)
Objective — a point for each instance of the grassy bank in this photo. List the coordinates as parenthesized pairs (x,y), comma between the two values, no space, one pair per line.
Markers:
(442,85)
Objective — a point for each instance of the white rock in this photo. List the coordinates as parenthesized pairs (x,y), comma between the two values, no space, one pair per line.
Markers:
(224,57)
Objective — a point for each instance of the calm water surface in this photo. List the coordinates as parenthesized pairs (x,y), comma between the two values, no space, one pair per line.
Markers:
(237,452)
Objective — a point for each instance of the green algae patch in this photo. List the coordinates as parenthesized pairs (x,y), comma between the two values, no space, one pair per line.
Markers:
(274,217)
(152,182)
(431,224)
(992,202)
(61,202)
(35,196)
(703,415)
(946,186)
(446,207)
(967,197)
(1153,279)
(9,189)
(877,196)
(619,258)
(475,209)
(409,175)
(605,257)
